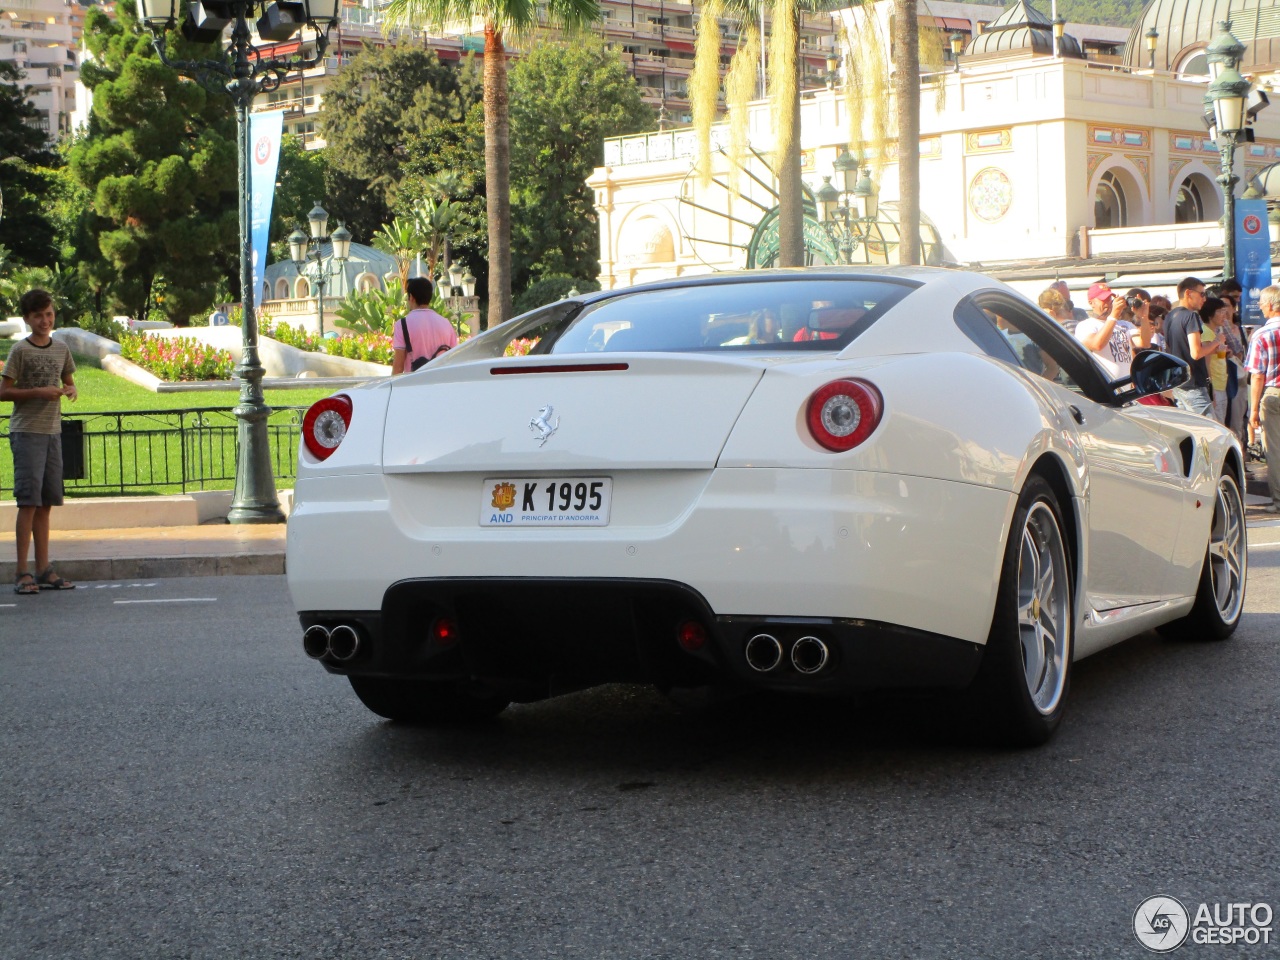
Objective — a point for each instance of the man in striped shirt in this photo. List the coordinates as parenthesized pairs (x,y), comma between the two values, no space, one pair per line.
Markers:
(1263,362)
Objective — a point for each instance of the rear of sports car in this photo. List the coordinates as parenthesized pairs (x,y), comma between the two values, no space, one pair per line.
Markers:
(629,502)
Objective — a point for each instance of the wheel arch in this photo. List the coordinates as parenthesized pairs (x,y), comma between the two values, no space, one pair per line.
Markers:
(1054,472)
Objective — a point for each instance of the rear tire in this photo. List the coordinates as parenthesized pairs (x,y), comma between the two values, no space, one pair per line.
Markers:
(1220,595)
(1022,684)
(423,702)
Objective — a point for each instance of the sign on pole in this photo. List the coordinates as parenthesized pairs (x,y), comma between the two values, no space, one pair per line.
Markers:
(1253,257)
(265,130)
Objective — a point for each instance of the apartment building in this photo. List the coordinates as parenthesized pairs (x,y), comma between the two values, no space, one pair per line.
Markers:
(43,38)
(654,38)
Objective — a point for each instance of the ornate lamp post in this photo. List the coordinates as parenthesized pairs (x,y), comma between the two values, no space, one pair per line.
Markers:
(957,47)
(1059,28)
(847,212)
(247,73)
(1228,94)
(1152,37)
(302,248)
(456,277)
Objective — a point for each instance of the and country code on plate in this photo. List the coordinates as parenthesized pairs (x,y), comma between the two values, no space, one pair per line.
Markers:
(545,501)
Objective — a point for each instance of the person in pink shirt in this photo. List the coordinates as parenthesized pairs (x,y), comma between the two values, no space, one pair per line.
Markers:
(422,334)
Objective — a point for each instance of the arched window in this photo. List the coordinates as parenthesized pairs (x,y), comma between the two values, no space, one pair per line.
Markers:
(1189,207)
(1195,66)
(1110,209)
(302,288)
(282,289)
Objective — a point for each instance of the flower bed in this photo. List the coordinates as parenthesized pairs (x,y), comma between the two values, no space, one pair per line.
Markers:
(177,358)
(371,347)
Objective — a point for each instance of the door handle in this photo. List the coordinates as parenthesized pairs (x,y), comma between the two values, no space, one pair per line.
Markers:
(1075,413)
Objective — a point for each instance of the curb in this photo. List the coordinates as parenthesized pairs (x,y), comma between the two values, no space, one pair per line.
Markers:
(153,568)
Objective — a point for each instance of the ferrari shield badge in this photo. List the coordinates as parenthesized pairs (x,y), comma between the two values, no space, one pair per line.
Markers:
(504,496)
(544,424)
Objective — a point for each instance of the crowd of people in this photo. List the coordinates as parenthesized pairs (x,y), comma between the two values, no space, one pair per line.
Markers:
(1235,370)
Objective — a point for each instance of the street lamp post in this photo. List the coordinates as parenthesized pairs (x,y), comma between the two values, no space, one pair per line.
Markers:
(303,248)
(247,73)
(455,276)
(849,211)
(957,47)
(1228,94)
(1153,38)
(1059,29)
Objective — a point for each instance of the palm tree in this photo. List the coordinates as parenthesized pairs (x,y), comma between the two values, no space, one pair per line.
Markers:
(906,89)
(502,19)
(784,89)
(401,239)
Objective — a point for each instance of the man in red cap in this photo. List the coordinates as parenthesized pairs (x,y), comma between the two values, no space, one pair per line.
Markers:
(1104,334)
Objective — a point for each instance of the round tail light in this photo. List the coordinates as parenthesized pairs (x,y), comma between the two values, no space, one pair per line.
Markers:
(843,413)
(326,424)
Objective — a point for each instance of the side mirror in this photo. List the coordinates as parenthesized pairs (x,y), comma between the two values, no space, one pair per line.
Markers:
(1153,372)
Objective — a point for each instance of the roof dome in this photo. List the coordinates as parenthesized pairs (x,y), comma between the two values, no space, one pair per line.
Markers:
(1021,30)
(1186,28)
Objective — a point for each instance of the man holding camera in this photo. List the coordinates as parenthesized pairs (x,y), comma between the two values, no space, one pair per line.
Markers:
(1103,333)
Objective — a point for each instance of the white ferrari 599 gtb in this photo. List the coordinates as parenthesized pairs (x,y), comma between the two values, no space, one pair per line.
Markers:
(814,481)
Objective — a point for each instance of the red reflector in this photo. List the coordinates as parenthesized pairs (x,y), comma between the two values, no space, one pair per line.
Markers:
(691,635)
(325,425)
(843,413)
(444,632)
(559,368)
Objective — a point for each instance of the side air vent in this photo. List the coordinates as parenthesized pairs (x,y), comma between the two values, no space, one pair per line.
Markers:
(1188,450)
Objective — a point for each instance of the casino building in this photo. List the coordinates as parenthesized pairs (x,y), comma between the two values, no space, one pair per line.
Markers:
(1041,157)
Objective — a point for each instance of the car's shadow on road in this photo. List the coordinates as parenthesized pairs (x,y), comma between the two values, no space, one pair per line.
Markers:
(1146,687)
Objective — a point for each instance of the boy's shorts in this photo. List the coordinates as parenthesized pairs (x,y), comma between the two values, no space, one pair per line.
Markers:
(37,469)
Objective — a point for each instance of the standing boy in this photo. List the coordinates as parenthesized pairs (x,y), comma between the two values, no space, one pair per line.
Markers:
(37,375)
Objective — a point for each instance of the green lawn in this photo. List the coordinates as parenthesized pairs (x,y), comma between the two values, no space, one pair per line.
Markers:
(100,390)
(146,452)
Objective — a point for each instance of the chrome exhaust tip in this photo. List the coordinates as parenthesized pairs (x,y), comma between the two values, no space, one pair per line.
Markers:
(764,653)
(810,655)
(344,642)
(315,642)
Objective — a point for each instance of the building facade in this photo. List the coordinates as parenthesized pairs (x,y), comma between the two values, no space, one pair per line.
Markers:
(1026,156)
(42,37)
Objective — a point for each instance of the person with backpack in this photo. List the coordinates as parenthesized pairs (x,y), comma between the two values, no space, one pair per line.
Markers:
(422,334)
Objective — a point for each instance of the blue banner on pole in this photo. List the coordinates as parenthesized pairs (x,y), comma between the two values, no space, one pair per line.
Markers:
(265,130)
(1253,257)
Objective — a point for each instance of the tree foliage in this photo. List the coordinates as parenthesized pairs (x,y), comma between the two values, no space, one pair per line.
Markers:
(565,99)
(300,184)
(159,158)
(381,101)
(24,151)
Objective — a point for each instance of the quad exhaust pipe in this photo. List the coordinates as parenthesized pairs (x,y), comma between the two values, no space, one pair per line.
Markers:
(340,643)
(809,655)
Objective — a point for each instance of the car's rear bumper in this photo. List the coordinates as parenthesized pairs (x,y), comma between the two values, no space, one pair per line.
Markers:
(920,553)
(537,637)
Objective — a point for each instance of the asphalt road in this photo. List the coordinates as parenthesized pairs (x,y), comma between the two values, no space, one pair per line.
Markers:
(178,781)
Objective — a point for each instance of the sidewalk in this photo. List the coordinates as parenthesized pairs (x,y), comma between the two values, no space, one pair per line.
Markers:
(221,549)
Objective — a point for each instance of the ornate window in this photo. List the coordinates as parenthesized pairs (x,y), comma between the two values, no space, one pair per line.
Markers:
(1110,208)
(1189,207)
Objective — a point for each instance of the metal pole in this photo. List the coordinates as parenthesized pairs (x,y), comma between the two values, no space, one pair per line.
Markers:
(1228,180)
(254,500)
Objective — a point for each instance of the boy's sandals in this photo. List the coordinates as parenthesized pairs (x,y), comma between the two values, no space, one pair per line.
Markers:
(48,580)
(26,585)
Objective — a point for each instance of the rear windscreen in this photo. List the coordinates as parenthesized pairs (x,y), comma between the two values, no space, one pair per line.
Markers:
(773,315)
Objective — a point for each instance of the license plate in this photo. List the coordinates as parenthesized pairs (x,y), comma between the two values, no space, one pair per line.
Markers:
(545,501)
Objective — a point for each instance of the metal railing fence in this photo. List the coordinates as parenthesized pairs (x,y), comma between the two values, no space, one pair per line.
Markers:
(158,451)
